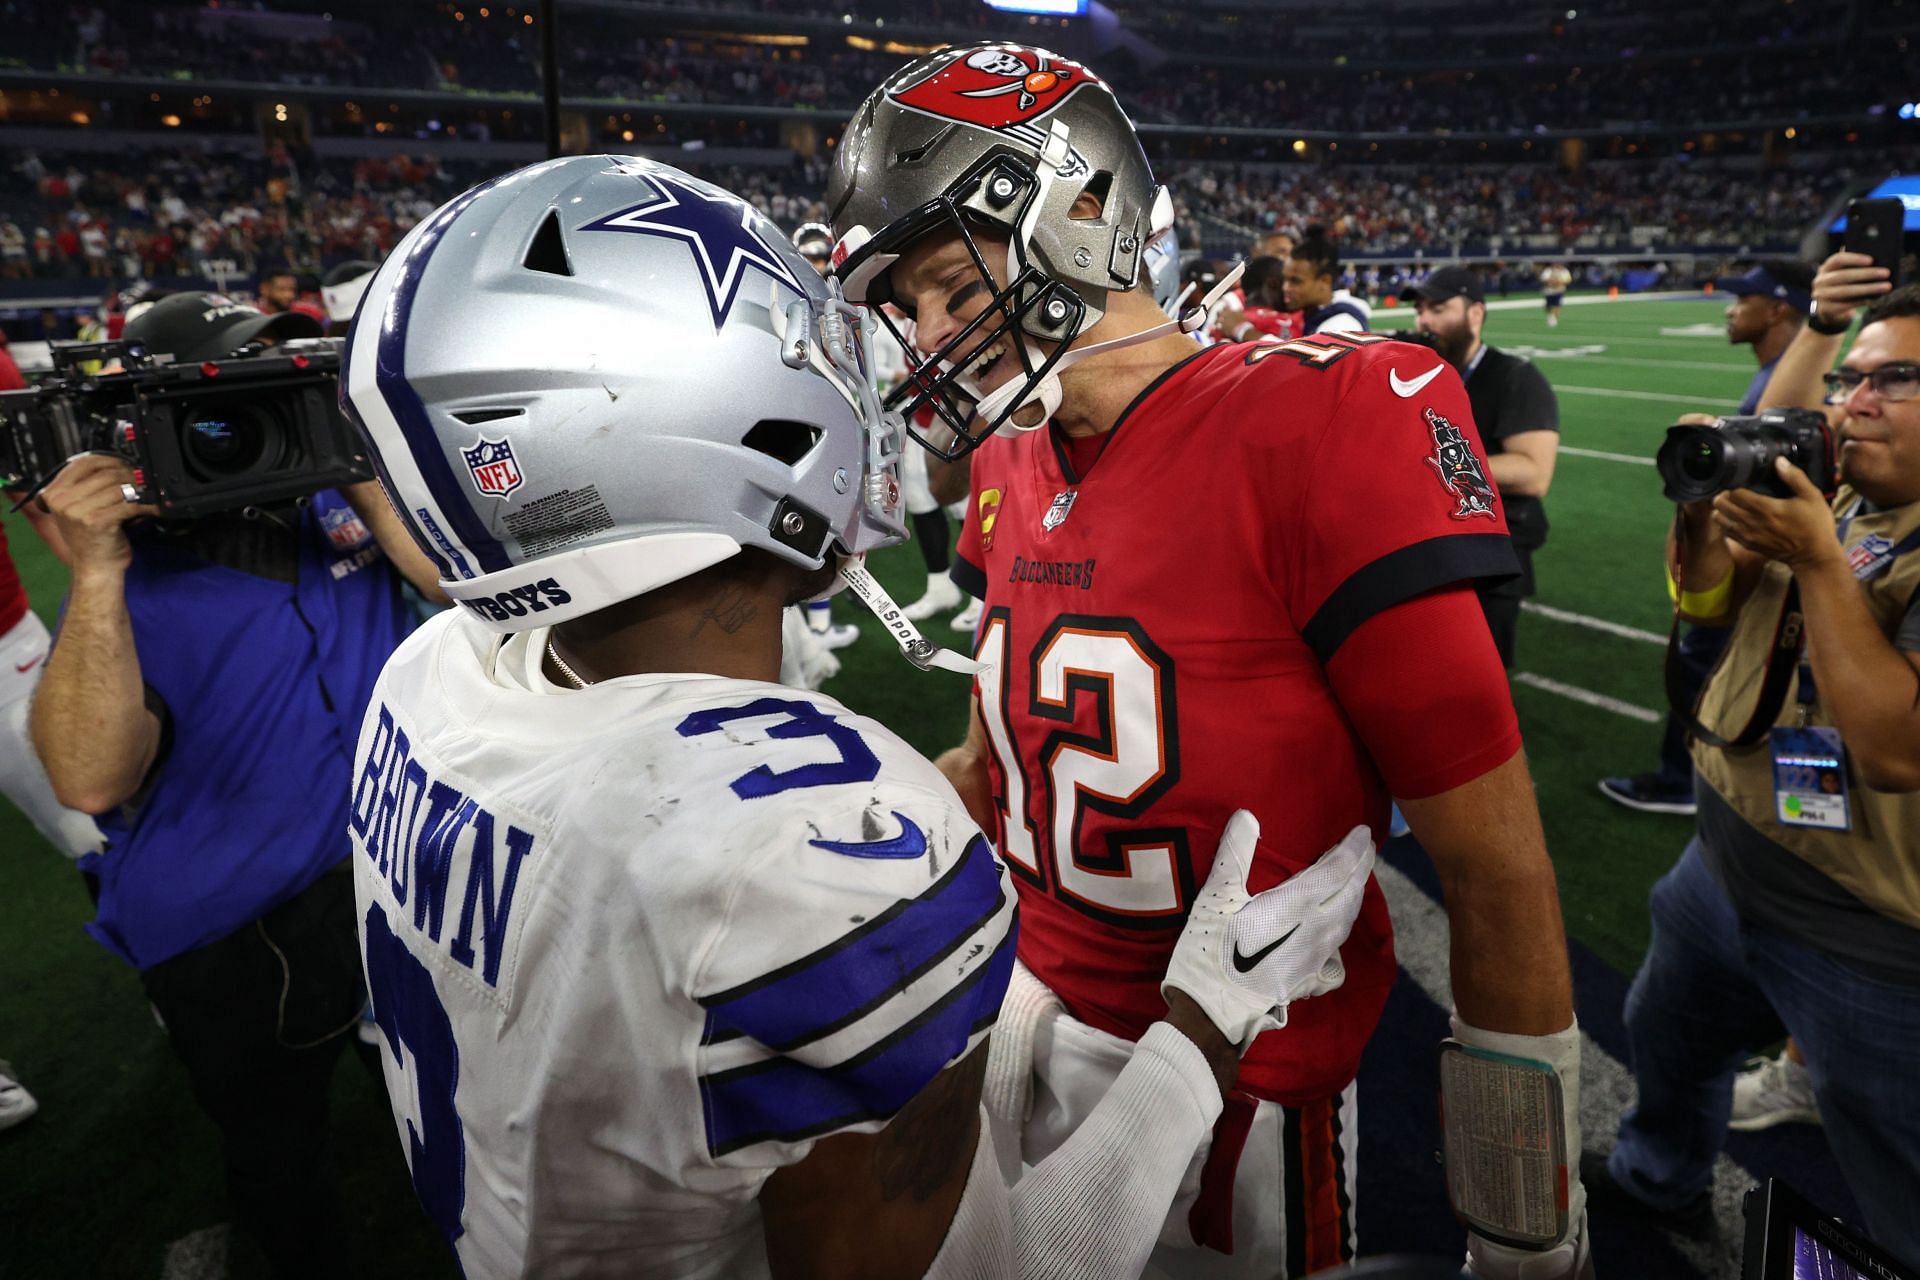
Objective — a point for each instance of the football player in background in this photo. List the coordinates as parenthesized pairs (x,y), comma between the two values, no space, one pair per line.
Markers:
(677,972)
(1312,287)
(1234,578)
(1258,314)
(1554,282)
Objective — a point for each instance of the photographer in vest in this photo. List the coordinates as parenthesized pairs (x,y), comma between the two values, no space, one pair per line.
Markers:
(1796,908)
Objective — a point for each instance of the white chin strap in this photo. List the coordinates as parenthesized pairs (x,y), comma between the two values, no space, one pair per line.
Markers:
(1047,392)
(919,650)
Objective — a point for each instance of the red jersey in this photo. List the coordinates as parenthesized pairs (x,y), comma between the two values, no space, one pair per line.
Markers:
(1158,620)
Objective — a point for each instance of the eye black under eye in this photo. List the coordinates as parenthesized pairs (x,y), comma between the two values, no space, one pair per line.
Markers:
(966,293)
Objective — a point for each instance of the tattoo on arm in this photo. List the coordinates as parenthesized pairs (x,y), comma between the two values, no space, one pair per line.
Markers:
(918,1153)
(732,609)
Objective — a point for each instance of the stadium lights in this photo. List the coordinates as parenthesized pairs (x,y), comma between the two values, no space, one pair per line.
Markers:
(1909,109)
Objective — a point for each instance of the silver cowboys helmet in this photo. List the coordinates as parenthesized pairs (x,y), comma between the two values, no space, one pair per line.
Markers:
(595,376)
(1003,139)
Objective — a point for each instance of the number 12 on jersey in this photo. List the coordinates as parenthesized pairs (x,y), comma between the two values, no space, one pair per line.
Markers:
(1107,670)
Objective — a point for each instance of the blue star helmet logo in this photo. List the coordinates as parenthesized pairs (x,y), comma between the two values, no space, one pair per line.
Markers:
(718,229)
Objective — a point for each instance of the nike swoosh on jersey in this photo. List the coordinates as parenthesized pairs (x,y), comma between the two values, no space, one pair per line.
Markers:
(1245,963)
(910,843)
(1404,387)
(29,665)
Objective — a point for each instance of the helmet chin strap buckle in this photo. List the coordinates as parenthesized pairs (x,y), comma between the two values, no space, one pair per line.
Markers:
(919,650)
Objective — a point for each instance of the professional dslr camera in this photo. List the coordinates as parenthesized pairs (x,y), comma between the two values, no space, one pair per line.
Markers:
(1737,453)
(216,435)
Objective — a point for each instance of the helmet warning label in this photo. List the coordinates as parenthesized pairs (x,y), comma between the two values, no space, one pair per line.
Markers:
(558,520)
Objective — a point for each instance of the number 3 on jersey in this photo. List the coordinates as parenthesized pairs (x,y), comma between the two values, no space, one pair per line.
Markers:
(1133,876)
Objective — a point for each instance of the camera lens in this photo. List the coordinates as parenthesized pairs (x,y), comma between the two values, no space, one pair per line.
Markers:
(222,440)
(1700,461)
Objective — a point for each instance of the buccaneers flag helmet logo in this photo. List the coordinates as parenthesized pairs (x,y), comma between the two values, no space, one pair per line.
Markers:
(997,87)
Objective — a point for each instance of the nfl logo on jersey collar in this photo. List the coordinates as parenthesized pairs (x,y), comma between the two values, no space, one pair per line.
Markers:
(495,471)
(1057,513)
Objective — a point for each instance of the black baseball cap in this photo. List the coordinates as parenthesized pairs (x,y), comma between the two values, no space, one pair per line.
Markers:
(1445,283)
(211,326)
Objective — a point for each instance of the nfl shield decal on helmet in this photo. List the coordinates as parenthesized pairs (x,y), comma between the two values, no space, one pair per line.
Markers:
(997,87)
(496,472)
(1459,470)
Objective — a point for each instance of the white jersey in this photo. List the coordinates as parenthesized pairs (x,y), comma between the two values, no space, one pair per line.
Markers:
(633,948)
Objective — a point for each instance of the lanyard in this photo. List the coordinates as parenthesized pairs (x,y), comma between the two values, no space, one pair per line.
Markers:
(1474,363)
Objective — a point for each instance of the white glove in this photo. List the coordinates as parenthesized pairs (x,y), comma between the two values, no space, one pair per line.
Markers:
(1571,1259)
(1243,958)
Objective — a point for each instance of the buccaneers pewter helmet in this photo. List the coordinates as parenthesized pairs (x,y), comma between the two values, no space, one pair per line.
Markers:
(598,375)
(1003,138)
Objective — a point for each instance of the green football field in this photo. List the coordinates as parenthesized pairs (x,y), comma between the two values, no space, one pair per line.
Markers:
(120,1176)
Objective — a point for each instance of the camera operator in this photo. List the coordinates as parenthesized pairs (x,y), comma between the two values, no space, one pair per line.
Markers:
(1519,420)
(1796,907)
(1768,311)
(202,698)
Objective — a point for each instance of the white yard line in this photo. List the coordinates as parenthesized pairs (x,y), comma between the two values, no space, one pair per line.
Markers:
(1603,455)
(1641,362)
(1619,707)
(1615,393)
(1595,624)
(1594,299)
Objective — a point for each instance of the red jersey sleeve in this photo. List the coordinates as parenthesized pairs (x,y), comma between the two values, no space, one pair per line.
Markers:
(1393,502)
(1425,735)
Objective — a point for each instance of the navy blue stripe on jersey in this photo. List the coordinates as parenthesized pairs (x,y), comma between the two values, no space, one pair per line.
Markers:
(969,577)
(782,1100)
(390,375)
(855,974)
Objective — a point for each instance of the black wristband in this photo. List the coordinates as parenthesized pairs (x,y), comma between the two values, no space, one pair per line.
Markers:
(1815,323)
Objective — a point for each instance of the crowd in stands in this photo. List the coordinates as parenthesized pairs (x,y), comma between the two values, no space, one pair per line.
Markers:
(1782,85)
(86,215)
(1395,209)
(1765,69)
(1482,30)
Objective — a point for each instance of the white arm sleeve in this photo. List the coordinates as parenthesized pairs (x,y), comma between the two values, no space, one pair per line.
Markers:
(1092,1210)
